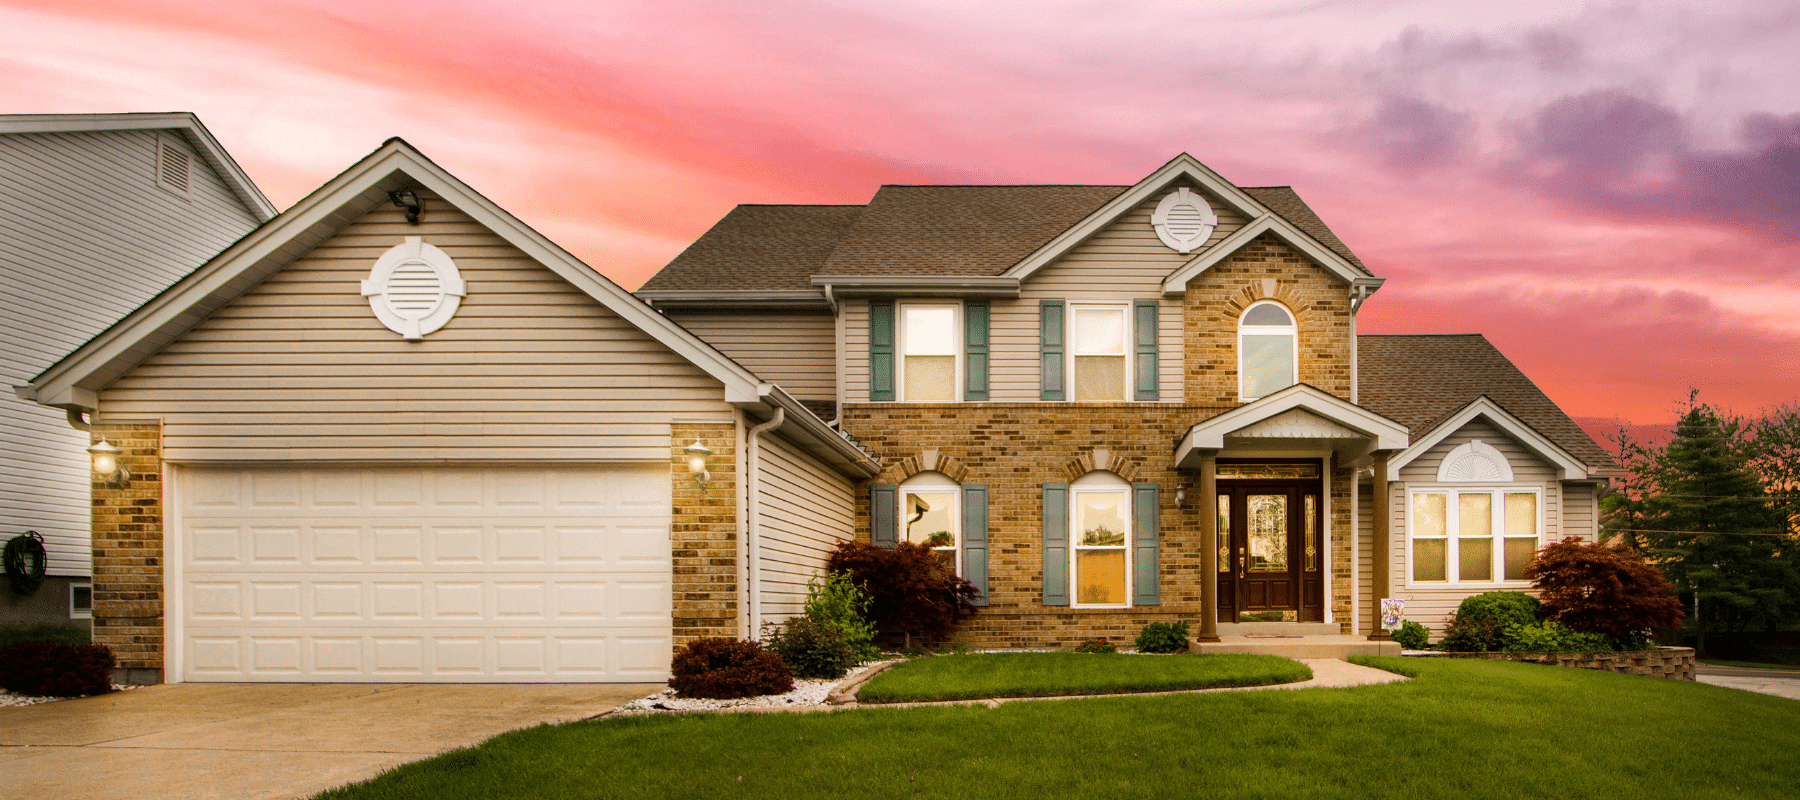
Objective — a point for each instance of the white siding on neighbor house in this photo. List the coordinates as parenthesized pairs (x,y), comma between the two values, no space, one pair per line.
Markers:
(806,510)
(1432,604)
(1123,262)
(86,235)
(792,350)
(529,369)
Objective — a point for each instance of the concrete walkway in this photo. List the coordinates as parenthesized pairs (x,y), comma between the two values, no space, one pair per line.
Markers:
(196,740)
(1777,682)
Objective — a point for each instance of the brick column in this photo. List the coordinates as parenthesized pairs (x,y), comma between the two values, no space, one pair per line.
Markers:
(704,534)
(1378,573)
(128,555)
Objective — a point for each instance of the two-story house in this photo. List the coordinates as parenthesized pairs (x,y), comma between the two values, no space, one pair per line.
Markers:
(395,434)
(1110,405)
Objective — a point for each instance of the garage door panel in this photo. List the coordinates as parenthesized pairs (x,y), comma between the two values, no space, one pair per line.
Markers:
(441,573)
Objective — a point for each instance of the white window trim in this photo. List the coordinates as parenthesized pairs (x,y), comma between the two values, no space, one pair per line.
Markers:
(957,349)
(1292,331)
(936,483)
(1452,549)
(1091,484)
(75,613)
(1128,339)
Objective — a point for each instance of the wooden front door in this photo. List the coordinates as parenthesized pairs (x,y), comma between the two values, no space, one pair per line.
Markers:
(1271,558)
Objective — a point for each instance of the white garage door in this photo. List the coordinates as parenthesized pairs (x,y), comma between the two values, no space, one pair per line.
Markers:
(423,574)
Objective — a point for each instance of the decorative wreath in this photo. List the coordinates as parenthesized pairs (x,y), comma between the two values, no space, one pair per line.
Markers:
(24,559)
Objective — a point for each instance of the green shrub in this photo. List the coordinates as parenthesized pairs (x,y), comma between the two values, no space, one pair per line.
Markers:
(722,669)
(840,602)
(1163,637)
(912,590)
(1096,646)
(43,633)
(1551,637)
(1413,636)
(1480,621)
(813,649)
(1471,634)
(56,669)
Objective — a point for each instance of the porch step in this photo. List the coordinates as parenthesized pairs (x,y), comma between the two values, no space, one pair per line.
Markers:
(1282,628)
(1313,646)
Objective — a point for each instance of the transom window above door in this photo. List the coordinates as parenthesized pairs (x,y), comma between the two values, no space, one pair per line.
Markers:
(929,347)
(1267,350)
(1101,337)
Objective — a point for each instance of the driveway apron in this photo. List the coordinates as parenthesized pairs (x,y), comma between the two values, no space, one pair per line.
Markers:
(266,740)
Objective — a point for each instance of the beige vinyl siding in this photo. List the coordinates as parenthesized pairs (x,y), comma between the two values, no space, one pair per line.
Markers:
(1122,263)
(86,235)
(794,351)
(805,510)
(1580,512)
(1431,605)
(530,368)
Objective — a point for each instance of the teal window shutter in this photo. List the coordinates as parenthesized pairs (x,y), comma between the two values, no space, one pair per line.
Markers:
(1145,542)
(1144,319)
(1056,544)
(975,538)
(1050,338)
(881,351)
(975,351)
(884,507)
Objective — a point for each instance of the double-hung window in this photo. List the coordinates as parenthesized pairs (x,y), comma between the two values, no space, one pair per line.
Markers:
(930,346)
(1473,534)
(1100,338)
(1100,514)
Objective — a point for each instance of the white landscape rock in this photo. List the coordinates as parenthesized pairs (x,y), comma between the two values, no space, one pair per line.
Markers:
(9,699)
(805,693)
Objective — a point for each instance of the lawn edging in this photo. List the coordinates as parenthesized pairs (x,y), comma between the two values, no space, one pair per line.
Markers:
(947,686)
(845,693)
(1674,663)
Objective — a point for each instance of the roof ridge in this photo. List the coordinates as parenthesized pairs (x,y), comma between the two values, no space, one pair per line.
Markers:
(1006,185)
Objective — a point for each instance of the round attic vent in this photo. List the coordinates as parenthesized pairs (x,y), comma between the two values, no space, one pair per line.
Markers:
(1184,220)
(414,288)
(1475,461)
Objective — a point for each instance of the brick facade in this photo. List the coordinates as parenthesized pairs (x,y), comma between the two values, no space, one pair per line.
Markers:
(1015,448)
(704,535)
(1265,269)
(128,555)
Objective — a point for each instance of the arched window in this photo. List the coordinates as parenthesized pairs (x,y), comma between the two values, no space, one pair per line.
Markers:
(1100,518)
(931,514)
(1267,350)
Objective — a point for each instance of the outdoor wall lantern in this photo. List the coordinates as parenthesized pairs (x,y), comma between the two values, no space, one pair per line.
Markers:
(106,463)
(1181,495)
(697,454)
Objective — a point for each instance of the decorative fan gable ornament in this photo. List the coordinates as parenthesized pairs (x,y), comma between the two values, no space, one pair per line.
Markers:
(414,288)
(1475,461)
(1184,220)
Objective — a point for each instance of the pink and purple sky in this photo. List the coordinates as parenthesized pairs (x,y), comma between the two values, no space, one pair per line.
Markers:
(1609,191)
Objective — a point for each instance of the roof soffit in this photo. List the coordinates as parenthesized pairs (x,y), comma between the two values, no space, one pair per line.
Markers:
(296,231)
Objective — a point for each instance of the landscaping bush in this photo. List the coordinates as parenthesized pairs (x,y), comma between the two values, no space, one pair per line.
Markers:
(56,669)
(912,590)
(722,669)
(1471,634)
(1163,637)
(1479,623)
(1604,588)
(1551,637)
(1096,646)
(839,601)
(43,633)
(813,649)
(1413,636)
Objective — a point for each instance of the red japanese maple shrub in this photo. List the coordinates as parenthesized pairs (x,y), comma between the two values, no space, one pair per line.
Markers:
(1603,588)
(723,669)
(913,591)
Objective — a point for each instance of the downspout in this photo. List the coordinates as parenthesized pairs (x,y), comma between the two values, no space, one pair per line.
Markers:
(753,513)
(77,421)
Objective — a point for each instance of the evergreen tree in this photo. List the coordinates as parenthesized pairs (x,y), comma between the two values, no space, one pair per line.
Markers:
(1715,532)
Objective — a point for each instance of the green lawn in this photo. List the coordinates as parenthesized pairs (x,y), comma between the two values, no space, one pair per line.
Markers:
(1751,664)
(1461,728)
(54,633)
(982,675)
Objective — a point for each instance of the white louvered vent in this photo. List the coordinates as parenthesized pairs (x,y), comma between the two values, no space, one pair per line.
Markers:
(414,288)
(172,165)
(1184,220)
(1475,462)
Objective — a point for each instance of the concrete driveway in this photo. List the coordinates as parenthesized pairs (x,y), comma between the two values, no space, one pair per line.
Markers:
(1778,682)
(265,740)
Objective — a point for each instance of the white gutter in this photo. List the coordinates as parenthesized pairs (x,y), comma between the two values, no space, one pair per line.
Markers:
(752,515)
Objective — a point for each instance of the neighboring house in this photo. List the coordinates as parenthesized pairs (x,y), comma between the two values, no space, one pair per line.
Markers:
(394,434)
(1112,405)
(98,213)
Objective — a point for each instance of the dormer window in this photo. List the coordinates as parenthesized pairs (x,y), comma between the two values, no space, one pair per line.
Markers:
(1267,350)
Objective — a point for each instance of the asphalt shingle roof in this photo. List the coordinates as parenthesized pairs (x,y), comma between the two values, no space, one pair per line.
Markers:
(911,230)
(1419,381)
